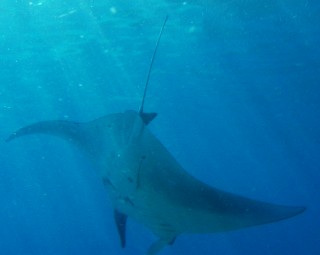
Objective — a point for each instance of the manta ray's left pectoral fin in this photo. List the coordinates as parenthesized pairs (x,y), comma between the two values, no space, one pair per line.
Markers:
(121,220)
(65,129)
(84,135)
(160,244)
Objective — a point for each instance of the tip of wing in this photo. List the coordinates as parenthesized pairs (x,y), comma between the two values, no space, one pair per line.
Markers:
(11,137)
(292,211)
(30,129)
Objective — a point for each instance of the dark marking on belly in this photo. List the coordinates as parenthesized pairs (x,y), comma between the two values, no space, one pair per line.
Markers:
(143,157)
(127,200)
(107,182)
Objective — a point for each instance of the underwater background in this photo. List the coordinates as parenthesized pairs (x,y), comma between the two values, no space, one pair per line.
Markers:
(236,88)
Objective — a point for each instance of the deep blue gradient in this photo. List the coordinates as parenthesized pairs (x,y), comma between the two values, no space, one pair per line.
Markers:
(237,88)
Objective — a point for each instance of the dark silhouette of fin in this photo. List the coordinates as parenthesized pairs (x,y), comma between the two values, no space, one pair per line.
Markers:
(121,220)
(147,117)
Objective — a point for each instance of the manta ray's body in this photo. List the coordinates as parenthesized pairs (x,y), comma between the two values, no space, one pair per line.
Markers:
(146,183)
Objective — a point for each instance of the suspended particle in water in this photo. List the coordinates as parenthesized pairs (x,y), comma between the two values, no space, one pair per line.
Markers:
(113,10)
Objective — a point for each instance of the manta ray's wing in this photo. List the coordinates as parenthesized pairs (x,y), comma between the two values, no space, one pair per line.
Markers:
(209,210)
(96,138)
(72,131)
(90,136)
(104,140)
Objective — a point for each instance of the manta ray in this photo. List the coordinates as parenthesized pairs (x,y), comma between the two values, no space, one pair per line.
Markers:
(146,183)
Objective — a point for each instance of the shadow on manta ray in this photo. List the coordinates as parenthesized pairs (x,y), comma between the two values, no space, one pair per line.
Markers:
(145,182)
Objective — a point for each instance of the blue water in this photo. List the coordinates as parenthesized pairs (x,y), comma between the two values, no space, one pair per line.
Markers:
(236,87)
